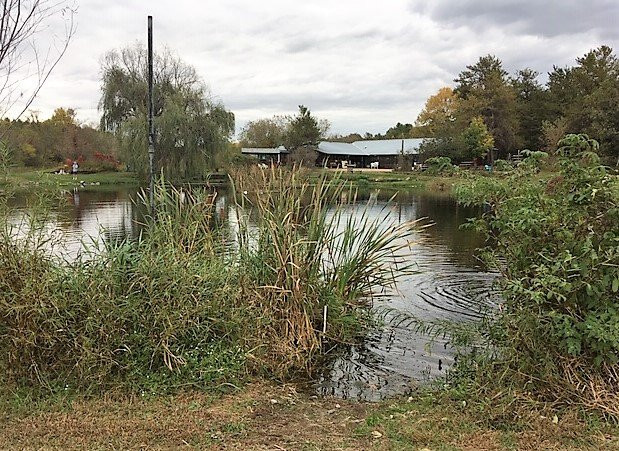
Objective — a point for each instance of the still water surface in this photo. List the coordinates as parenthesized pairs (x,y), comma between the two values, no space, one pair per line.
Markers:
(450,284)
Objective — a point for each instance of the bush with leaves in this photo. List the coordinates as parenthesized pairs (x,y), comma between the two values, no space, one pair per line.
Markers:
(502,166)
(556,245)
(440,166)
(534,160)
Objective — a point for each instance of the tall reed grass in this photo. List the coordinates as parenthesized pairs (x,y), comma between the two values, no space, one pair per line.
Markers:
(155,312)
(180,306)
(309,266)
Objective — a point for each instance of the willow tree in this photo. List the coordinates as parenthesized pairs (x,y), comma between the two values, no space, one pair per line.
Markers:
(190,127)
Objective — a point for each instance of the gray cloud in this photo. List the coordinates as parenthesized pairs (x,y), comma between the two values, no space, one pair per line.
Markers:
(364,65)
(543,18)
(308,42)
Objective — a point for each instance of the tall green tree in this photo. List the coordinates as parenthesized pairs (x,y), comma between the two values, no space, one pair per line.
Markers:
(304,130)
(485,90)
(587,95)
(190,126)
(269,132)
(531,107)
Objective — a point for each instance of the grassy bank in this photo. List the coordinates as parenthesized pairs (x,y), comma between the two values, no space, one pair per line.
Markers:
(25,179)
(394,180)
(263,415)
(437,183)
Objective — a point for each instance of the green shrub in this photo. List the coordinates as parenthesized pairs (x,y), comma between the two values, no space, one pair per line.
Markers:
(502,166)
(440,166)
(534,161)
(556,245)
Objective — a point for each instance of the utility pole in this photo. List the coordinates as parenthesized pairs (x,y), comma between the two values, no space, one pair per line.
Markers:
(402,164)
(151,126)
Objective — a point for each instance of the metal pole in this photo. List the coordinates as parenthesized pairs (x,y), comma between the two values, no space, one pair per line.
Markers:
(151,126)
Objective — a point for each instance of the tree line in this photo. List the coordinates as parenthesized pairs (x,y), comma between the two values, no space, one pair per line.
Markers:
(304,129)
(292,132)
(55,142)
(489,108)
(191,127)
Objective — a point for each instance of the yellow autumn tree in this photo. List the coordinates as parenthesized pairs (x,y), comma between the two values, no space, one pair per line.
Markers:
(438,116)
(64,117)
(478,141)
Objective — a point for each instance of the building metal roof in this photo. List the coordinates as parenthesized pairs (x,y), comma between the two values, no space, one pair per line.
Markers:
(366,148)
(264,150)
(371,147)
(389,146)
(335,148)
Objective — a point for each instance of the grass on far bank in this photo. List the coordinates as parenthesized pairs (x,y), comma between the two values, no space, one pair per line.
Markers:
(268,416)
(410,181)
(24,178)
(419,181)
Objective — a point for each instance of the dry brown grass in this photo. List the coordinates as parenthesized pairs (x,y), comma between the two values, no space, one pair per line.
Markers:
(259,417)
(268,417)
(593,391)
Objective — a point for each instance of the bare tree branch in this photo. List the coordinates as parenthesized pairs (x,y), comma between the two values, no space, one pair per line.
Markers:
(25,61)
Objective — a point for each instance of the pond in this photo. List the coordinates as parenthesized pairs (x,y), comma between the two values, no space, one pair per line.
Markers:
(450,282)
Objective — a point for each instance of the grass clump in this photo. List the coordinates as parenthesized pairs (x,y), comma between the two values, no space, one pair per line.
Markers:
(308,266)
(145,315)
(190,303)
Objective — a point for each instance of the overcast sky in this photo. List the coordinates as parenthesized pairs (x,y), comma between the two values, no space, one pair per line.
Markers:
(363,65)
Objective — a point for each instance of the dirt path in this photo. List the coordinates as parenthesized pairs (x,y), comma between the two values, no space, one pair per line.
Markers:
(268,417)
